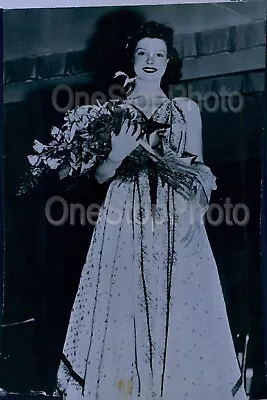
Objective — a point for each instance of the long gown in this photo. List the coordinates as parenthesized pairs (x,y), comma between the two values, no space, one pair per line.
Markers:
(149,320)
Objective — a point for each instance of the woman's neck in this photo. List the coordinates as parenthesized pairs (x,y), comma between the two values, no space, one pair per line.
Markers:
(147,89)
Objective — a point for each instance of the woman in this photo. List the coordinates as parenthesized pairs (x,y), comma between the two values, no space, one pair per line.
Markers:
(149,319)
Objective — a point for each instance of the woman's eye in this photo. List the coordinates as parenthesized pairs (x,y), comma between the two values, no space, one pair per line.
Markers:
(140,53)
(160,55)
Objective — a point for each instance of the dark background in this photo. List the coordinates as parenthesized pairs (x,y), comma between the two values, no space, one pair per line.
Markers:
(82,47)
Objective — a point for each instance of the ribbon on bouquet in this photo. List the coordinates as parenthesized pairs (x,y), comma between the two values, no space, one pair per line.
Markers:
(185,173)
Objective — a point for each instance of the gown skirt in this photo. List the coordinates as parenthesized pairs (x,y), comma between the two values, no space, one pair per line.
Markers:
(149,320)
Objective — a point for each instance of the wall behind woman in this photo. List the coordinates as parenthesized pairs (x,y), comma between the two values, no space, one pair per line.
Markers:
(39,32)
(45,48)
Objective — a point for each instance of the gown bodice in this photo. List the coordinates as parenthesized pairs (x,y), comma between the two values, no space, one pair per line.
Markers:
(168,117)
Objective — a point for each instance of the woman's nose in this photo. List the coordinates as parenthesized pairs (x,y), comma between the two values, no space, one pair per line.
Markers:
(150,58)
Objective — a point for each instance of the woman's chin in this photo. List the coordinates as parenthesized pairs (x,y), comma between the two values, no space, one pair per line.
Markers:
(150,77)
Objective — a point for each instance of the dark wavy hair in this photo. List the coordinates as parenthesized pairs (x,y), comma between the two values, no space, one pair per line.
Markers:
(153,29)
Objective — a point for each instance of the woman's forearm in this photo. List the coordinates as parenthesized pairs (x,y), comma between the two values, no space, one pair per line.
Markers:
(107,169)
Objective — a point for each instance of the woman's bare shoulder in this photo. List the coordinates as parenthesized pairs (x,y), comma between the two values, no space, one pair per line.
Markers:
(188,105)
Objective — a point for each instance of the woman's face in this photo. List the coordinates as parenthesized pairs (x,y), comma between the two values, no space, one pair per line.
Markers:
(150,59)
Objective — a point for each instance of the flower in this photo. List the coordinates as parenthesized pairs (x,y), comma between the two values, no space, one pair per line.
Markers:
(127,80)
(83,123)
(70,134)
(86,166)
(82,110)
(33,159)
(64,172)
(53,163)
(56,133)
(72,116)
(83,140)
(38,146)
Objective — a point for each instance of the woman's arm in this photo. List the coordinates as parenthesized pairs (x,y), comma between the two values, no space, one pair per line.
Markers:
(206,181)
(106,170)
(192,116)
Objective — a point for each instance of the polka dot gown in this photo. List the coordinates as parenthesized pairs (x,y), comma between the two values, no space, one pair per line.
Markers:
(149,320)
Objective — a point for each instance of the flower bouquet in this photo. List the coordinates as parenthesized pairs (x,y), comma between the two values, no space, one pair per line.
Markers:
(83,141)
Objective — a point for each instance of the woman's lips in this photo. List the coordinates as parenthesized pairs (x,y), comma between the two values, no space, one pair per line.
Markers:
(149,69)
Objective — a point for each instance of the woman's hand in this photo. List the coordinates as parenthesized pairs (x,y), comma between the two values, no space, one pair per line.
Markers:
(125,142)
(122,145)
